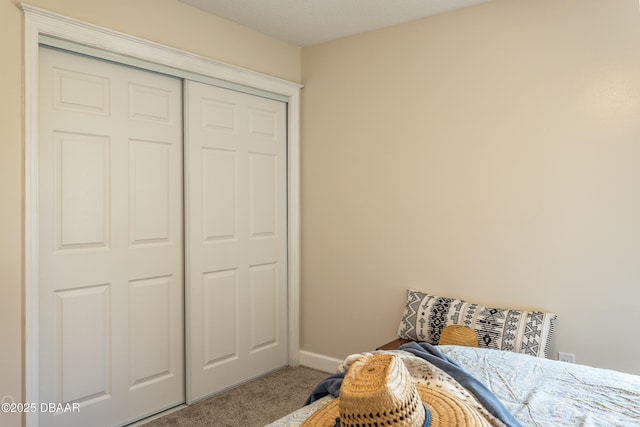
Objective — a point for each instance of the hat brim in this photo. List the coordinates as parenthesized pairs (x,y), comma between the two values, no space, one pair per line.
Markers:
(445,410)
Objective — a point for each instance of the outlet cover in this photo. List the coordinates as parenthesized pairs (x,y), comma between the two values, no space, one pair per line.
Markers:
(566,357)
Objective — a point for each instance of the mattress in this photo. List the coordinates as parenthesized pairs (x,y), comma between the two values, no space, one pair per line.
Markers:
(537,391)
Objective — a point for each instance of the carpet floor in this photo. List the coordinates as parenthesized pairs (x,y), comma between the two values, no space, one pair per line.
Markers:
(253,404)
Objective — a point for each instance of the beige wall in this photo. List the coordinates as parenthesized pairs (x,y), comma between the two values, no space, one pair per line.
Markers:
(165,21)
(489,154)
(11,196)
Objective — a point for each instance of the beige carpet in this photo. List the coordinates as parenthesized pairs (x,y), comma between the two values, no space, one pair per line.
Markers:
(254,404)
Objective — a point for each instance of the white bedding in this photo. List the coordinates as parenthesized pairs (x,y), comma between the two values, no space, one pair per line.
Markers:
(540,392)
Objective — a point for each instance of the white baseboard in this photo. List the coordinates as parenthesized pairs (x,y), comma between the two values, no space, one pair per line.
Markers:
(319,361)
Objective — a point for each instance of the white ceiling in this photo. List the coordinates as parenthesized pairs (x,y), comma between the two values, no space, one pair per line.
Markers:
(308,22)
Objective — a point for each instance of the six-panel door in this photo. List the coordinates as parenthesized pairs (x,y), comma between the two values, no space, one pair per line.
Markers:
(237,250)
(111,241)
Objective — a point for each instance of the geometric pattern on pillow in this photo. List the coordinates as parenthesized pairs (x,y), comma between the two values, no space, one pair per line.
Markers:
(519,331)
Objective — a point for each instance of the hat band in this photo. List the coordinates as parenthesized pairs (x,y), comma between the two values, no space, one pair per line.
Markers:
(427,418)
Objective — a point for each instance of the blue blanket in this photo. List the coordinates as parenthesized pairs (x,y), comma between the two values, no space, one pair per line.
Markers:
(433,355)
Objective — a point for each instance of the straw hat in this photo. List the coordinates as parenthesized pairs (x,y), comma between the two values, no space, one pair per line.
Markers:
(458,335)
(378,390)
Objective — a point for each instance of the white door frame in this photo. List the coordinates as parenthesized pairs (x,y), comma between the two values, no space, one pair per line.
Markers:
(39,22)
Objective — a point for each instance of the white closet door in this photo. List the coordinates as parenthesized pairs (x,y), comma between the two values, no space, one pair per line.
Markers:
(111,241)
(237,242)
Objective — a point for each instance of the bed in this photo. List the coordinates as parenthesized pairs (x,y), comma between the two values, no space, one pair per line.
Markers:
(510,364)
(536,391)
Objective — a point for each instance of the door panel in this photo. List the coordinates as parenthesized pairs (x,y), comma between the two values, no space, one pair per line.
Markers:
(149,331)
(92,305)
(220,316)
(264,304)
(219,194)
(81,190)
(236,237)
(149,192)
(111,240)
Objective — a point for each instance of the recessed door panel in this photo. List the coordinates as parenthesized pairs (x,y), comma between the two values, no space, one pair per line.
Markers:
(264,302)
(150,321)
(84,343)
(219,194)
(151,103)
(218,115)
(87,93)
(263,202)
(150,191)
(220,313)
(82,178)
(263,123)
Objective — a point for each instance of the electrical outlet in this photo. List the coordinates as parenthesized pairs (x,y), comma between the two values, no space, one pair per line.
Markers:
(566,357)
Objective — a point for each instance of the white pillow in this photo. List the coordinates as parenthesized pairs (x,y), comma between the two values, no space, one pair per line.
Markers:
(519,331)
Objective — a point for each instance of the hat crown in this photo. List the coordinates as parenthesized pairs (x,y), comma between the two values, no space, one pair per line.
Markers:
(378,390)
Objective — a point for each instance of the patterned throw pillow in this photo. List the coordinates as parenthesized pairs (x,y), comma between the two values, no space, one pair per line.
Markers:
(526,332)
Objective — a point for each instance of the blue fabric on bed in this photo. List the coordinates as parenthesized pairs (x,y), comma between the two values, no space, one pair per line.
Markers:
(433,355)
(330,385)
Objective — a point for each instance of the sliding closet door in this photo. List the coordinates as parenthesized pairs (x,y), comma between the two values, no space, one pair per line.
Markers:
(111,241)
(237,242)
